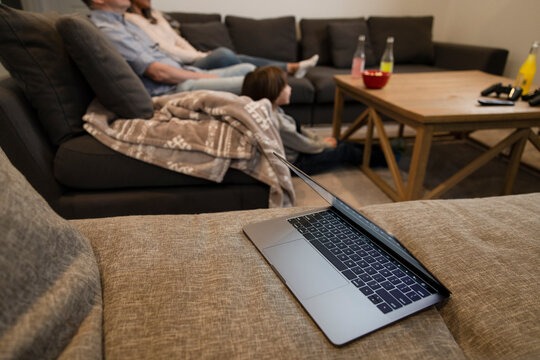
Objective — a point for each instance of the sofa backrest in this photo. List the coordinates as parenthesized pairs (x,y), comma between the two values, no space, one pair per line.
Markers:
(25,141)
(334,39)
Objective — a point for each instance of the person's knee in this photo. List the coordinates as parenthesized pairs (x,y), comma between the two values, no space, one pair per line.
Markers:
(223,51)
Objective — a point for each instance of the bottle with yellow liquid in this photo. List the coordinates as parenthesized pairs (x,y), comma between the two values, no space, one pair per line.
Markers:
(387,60)
(526,71)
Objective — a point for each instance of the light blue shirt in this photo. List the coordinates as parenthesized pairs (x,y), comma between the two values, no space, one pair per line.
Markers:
(136,47)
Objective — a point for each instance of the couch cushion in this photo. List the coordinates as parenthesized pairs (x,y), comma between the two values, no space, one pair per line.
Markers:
(116,85)
(302,92)
(314,37)
(207,36)
(51,293)
(267,38)
(85,163)
(343,41)
(413,41)
(33,52)
(187,17)
(322,78)
(195,287)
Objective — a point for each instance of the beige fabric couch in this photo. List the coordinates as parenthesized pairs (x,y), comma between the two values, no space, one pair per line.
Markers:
(193,286)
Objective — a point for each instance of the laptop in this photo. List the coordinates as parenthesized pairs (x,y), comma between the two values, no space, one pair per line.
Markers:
(351,276)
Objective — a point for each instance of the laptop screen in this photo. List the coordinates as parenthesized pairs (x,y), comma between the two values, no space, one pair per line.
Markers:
(382,236)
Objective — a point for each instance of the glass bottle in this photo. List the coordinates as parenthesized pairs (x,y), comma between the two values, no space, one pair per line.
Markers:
(359,58)
(387,60)
(526,71)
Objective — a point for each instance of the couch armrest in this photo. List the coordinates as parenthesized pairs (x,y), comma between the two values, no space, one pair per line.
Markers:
(470,57)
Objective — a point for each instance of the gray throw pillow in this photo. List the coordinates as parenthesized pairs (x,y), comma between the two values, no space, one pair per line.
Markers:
(343,41)
(413,43)
(267,38)
(33,53)
(315,38)
(116,85)
(206,36)
(50,297)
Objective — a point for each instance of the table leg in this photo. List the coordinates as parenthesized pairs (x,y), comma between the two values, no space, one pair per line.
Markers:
(338,113)
(388,154)
(420,156)
(513,165)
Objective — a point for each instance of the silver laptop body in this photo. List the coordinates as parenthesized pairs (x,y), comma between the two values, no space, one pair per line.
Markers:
(334,300)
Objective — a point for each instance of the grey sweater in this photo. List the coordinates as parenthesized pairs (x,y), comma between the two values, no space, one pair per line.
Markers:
(295,142)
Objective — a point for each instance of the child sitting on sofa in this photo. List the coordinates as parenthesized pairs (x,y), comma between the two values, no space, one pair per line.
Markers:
(158,29)
(305,150)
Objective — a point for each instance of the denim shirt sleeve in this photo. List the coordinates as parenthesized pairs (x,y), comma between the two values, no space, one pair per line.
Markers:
(134,45)
(137,55)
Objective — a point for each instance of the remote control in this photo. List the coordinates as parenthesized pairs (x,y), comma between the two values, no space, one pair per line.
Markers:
(488,102)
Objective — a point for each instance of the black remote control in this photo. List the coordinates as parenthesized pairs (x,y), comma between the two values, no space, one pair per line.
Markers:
(487,102)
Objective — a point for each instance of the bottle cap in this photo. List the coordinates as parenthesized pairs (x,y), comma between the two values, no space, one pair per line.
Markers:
(362,37)
(390,39)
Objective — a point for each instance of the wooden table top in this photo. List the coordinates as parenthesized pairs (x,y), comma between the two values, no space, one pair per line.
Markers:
(440,97)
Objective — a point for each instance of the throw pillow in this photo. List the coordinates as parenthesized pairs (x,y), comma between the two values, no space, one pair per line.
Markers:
(413,41)
(267,38)
(206,36)
(33,53)
(343,41)
(51,289)
(116,85)
(315,38)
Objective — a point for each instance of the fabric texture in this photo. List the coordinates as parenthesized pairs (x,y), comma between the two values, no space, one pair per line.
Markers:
(273,38)
(193,286)
(314,37)
(343,41)
(34,54)
(413,41)
(203,134)
(51,294)
(207,36)
(116,85)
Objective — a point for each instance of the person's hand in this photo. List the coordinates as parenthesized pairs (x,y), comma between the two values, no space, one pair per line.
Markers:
(331,141)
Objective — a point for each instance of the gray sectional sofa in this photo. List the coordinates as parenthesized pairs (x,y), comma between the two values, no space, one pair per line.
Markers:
(42,103)
(334,39)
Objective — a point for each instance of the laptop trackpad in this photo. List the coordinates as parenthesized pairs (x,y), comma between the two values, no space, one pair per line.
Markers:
(304,269)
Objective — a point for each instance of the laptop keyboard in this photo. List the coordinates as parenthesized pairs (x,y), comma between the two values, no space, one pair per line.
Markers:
(385,282)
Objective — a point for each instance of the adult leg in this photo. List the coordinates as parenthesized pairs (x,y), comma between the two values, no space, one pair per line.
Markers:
(234,70)
(218,58)
(258,62)
(230,79)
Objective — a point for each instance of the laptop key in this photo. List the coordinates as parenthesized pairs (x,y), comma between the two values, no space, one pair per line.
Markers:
(349,274)
(400,296)
(359,283)
(420,290)
(413,296)
(366,290)
(389,299)
(375,299)
(385,308)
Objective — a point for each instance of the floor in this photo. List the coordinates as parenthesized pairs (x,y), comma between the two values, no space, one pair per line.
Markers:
(352,186)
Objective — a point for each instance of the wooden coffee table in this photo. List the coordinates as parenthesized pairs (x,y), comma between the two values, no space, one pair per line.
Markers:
(432,103)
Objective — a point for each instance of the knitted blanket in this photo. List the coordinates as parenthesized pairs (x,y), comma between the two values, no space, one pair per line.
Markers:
(203,134)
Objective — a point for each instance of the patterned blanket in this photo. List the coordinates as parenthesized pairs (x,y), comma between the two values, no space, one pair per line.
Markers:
(203,134)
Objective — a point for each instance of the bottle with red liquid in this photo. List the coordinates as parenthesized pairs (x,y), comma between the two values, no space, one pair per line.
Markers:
(359,58)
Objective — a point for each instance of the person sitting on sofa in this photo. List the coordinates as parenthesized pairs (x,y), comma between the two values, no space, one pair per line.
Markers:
(170,42)
(159,73)
(306,151)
